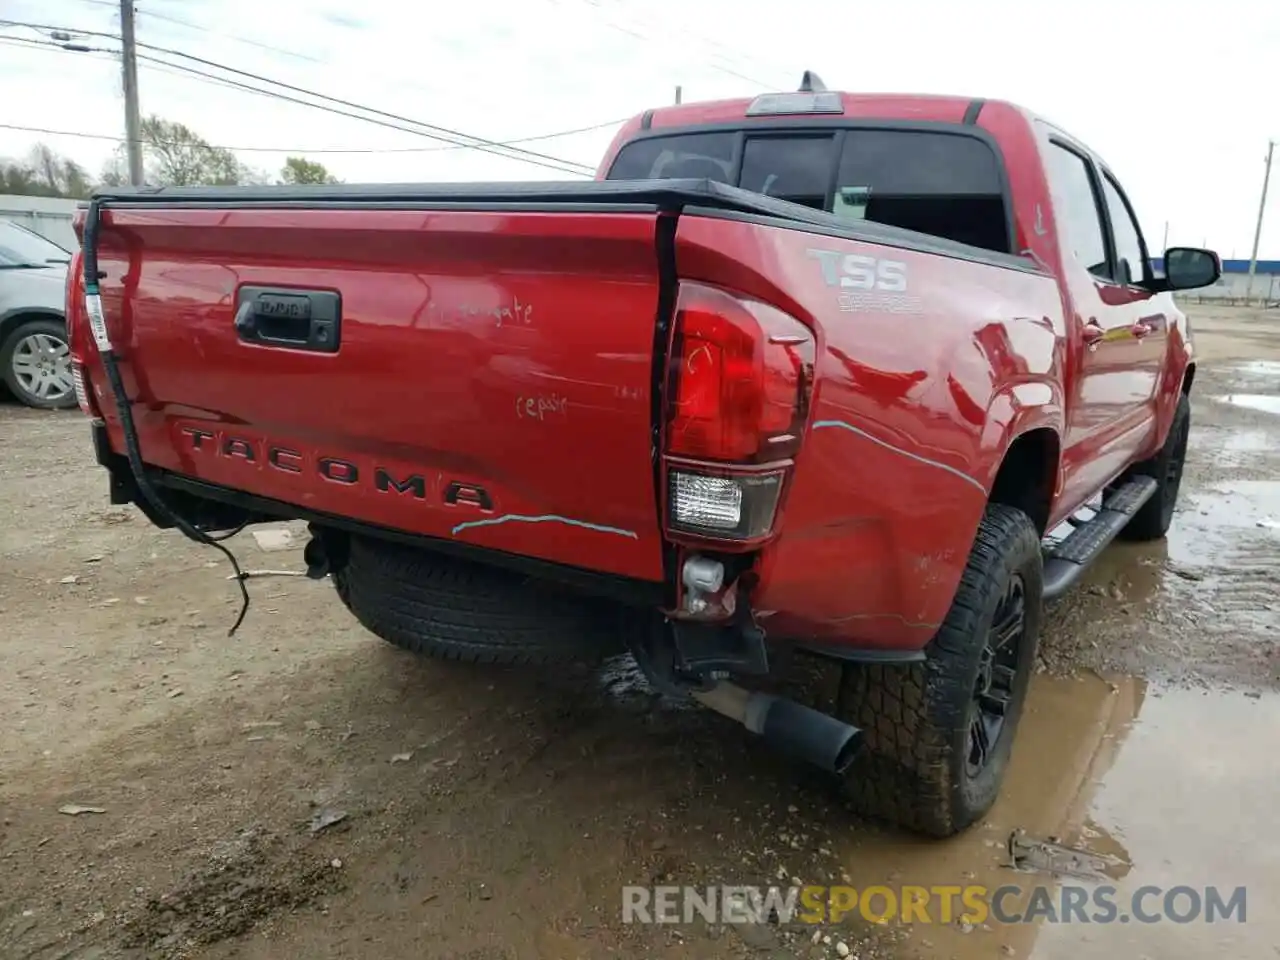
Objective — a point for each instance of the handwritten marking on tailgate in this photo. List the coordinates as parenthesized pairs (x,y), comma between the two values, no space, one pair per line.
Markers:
(537,408)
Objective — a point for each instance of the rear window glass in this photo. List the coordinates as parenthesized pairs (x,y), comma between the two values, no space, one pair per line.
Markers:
(695,156)
(789,168)
(945,185)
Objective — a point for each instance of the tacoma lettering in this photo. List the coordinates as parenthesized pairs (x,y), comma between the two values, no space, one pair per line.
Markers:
(416,486)
(415,483)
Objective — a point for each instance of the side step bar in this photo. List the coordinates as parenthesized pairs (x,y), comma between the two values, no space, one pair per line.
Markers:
(1066,561)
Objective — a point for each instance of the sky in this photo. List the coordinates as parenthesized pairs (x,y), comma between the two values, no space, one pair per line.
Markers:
(1177,96)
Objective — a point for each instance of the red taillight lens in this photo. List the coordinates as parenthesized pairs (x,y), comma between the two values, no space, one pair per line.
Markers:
(740,377)
(74,312)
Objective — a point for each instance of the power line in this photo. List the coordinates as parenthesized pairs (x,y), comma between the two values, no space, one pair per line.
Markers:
(481,142)
(178,21)
(444,134)
(561,166)
(699,38)
(309,150)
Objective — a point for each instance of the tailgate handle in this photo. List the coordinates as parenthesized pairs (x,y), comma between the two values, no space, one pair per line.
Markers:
(287,317)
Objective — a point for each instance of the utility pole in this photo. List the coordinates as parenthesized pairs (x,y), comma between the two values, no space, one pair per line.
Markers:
(1165,245)
(129,72)
(679,94)
(1257,233)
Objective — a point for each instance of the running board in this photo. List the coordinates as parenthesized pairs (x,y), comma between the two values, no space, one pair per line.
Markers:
(1066,561)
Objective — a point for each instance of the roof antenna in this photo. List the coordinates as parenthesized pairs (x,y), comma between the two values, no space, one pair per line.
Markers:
(812,83)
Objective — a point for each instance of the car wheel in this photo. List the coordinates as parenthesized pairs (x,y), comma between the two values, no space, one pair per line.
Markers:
(1154,519)
(939,734)
(35,364)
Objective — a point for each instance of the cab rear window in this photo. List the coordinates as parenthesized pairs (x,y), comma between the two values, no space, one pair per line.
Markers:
(943,184)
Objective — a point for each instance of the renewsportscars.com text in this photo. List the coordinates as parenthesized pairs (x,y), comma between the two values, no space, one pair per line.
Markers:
(1008,904)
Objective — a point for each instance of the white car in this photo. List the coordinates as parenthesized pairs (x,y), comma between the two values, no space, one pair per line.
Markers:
(35,360)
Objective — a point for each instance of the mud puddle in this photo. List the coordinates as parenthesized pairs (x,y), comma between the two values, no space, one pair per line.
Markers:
(1262,402)
(1164,788)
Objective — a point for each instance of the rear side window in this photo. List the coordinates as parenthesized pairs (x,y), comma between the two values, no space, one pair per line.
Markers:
(941,184)
(936,183)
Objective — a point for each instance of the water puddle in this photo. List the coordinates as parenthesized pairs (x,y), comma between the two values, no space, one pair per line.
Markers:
(1262,369)
(1234,444)
(1131,787)
(1262,402)
(1228,523)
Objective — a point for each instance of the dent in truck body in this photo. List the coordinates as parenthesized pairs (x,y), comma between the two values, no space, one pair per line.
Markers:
(911,417)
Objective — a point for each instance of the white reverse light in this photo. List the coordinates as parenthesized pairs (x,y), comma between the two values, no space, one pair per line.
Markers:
(713,503)
(727,508)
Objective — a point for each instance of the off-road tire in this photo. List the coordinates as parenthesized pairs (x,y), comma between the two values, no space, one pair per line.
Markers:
(453,609)
(915,717)
(1153,520)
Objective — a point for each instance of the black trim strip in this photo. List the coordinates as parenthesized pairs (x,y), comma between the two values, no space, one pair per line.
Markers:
(971,112)
(854,655)
(589,194)
(548,206)
(668,290)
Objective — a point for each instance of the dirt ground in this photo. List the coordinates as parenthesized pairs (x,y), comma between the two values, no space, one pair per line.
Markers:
(304,790)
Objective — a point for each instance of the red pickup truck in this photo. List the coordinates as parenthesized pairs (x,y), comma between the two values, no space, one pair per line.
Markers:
(817,370)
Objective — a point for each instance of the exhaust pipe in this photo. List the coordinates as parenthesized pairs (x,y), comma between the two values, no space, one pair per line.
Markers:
(791,727)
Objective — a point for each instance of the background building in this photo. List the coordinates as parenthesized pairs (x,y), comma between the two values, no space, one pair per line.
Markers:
(48,216)
(1233,287)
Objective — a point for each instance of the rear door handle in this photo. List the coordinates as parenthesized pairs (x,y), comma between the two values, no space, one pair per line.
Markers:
(290,318)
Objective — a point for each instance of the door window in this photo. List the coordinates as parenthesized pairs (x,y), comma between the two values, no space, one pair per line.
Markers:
(1076,207)
(1130,260)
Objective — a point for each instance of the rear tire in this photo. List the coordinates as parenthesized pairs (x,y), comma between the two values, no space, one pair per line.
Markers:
(453,609)
(919,765)
(1156,516)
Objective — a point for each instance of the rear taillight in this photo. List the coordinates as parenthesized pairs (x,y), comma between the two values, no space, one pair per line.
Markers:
(74,312)
(740,377)
(738,392)
(83,396)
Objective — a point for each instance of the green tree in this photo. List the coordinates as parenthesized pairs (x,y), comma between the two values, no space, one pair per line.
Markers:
(302,170)
(45,173)
(175,155)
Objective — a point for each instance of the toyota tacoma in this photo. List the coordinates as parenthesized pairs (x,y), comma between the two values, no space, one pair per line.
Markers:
(813,371)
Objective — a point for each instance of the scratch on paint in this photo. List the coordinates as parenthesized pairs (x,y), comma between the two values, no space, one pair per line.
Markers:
(911,456)
(549,518)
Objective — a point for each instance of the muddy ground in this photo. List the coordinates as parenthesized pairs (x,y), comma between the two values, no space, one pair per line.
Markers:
(486,813)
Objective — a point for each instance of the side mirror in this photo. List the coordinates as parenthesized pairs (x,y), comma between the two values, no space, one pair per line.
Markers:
(1188,268)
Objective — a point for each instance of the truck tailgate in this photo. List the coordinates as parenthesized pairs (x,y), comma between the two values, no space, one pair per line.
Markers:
(488,377)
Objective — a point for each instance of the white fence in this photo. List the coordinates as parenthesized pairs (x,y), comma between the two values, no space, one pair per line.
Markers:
(48,216)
